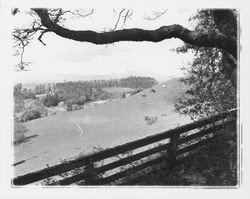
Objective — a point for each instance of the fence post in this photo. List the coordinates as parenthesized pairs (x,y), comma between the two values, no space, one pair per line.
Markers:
(172,152)
(90,173)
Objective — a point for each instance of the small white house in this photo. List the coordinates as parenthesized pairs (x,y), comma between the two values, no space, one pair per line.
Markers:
(163,86)
(61,104)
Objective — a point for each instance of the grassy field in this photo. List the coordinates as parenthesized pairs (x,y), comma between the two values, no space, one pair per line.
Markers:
(63,136)
(118,90)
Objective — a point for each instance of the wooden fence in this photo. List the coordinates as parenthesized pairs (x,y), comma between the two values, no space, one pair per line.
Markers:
(179,144)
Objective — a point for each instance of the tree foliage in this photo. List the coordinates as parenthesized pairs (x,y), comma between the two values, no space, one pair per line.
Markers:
(51,99)
(211,88)
(84,91)
(30,115)
(18,99)
(19,132)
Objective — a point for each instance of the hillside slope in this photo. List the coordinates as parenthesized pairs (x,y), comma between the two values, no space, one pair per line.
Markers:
(64,136)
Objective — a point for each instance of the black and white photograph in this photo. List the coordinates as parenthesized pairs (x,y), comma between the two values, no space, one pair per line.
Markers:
(115,96)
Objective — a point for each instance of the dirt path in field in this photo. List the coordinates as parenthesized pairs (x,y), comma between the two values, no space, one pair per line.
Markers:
(80,128)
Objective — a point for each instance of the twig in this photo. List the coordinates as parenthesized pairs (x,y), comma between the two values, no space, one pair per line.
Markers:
(118,19)
(41,35)
(156,14)
(126,16)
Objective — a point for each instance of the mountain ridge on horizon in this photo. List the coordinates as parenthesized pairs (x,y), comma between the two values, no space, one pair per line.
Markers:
(53,78)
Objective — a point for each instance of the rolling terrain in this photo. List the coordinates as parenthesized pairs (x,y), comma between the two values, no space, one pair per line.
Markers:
(55,138)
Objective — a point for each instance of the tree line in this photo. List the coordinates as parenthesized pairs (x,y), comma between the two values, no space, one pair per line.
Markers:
(129,82)
(78,92)
(85,91)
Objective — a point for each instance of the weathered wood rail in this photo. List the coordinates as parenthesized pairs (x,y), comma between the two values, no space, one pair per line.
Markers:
(181,141)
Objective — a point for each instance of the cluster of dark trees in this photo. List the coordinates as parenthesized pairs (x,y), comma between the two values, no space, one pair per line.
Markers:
(85,91)
(77,93)
(129,82)
(44,88)
(51,99)
(28,94)
(23,92)
(80,92)
(18,99)
(21,112)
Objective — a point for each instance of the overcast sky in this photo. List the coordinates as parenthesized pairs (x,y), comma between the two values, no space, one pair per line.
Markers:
(64,56)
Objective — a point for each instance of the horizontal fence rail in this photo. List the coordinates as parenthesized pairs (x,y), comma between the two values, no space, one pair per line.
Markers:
(181,140)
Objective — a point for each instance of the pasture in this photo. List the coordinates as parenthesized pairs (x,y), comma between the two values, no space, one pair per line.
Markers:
(64,136)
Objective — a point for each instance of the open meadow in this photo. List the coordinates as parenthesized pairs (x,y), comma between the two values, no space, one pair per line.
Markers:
(64,136)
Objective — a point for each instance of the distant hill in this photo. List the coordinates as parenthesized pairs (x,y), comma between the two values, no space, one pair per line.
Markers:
(28,77)
(37,78)
(117,122)
(175,88)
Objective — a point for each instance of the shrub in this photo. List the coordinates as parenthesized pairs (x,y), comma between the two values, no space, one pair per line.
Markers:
(150,120)
(69,105)
(18,104)
(138,90)
(51,99)
(29,95)
(30,115)
(123,95)
(104,95)
(19,131)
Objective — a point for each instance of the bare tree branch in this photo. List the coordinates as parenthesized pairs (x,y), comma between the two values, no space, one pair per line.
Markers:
(118,19)
(156,15)
(197,38)
(23,36)
(22,44)
(14,11)
(51,20)
(80,13)
(128,15)
(41,35)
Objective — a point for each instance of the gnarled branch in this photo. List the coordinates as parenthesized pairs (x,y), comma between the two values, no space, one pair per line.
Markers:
(197,38)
